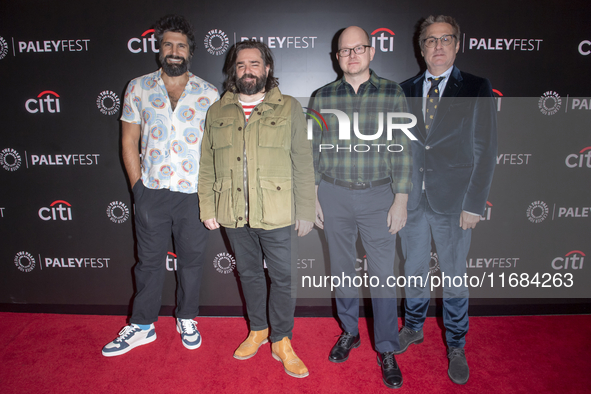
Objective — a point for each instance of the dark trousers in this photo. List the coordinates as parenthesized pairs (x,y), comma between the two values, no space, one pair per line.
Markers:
(347,213)
(157,214)
(250,245)
(452,244)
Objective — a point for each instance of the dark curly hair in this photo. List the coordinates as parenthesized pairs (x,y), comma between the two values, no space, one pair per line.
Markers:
(177,24)
(230,66)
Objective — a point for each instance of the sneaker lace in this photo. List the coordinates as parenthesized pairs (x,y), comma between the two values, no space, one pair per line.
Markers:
(188,326)
(454,352)
(125,332)
(388,360)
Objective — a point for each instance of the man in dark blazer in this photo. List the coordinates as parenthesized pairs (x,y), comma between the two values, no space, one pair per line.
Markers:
(453,165)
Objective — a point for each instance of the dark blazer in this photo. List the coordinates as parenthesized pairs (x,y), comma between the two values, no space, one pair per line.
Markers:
(458,156)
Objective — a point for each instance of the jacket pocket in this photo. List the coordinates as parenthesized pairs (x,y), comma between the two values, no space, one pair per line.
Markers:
(276,196)
(273,132)
(223,202)
(221,133)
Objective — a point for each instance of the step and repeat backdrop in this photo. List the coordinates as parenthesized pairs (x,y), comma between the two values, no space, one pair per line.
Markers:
(66,213)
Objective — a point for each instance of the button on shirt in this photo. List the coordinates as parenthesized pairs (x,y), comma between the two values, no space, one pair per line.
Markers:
(356,159)
(170,140)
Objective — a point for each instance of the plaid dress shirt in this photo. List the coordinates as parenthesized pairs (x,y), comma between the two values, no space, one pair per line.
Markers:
(359,160)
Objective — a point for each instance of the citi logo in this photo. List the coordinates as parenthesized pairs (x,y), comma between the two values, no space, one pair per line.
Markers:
(487,211)
(584,47)
(46,101)
(572,260)
(386,39)
(58,210)
(170,261)
(498,97)
(137,45)
(579,160)
(3,48)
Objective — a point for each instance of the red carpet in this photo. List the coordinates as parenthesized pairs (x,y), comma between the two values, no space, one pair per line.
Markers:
(43,353)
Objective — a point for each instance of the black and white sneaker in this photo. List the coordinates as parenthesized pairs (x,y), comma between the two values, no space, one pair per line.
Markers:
(129,337)
(189,333)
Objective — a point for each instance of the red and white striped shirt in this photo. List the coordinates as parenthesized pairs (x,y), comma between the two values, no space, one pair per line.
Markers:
(248,107)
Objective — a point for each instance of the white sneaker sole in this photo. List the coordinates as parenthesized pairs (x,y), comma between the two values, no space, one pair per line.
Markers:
(190,347)
(127,349)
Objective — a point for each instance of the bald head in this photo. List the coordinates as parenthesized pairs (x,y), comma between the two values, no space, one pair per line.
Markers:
(354,32)
(355,62)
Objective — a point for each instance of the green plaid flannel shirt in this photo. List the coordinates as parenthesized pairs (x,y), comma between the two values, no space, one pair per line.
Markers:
(374,96)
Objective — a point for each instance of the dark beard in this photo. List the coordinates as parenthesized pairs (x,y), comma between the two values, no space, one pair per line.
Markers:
(174,70)
(253,87)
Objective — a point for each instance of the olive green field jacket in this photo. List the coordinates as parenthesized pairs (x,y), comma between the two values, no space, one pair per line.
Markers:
(280,170)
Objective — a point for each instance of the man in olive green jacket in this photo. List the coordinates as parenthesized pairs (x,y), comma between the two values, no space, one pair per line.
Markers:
(256,179)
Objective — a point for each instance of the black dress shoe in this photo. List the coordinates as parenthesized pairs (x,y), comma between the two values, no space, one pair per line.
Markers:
(458,370)
(408,337)
(391,374)
(340,351)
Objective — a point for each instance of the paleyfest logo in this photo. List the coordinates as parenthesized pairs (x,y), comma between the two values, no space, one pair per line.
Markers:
(108,102)
(216,42)
(345,129)
(3,48)
(224,263)
(550,103)
(537,211)
(118,212)
(10,160)
(24,261)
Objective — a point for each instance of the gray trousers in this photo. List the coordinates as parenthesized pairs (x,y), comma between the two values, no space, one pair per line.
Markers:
(250,245)
(158,213)
(347,213)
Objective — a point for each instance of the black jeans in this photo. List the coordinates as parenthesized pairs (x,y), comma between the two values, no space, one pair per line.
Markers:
(249,245)
(157,214)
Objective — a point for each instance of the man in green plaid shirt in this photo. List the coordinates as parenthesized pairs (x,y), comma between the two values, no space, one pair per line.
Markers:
(362,186)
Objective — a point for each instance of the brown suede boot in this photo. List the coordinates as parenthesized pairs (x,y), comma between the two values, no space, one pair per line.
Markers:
(282,351)
(251,345)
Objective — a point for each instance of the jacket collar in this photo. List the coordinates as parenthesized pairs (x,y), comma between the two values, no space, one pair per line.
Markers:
(274,96)
(451,88)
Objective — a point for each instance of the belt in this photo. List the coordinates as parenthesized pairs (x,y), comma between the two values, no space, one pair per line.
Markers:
(356,185)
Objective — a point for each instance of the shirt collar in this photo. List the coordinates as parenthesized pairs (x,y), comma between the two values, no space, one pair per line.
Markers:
(445,74)
(373,79)
(158,76)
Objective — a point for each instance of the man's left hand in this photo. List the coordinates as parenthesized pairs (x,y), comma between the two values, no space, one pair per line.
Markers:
(303,227)
(467,220)
(396,216)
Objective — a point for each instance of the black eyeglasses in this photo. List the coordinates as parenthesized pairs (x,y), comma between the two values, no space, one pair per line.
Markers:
(344,52)
(446,40)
